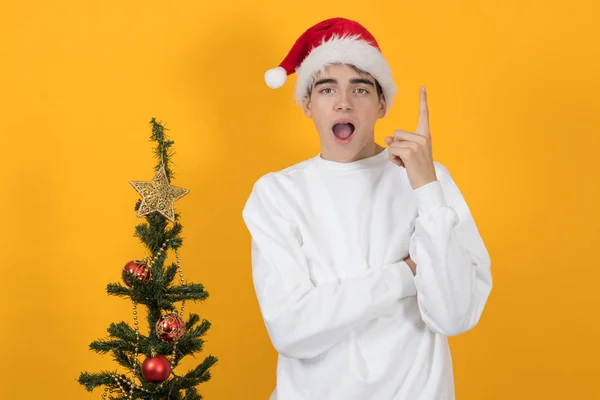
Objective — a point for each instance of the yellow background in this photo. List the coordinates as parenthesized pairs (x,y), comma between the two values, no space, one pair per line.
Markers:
(515,114)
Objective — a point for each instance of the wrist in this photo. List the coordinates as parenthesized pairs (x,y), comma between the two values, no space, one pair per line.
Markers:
(429,197)
(420,183)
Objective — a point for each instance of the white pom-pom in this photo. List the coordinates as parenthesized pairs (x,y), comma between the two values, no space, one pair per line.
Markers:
(275,77)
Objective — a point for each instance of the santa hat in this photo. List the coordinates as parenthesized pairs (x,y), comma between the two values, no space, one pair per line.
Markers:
(335,40)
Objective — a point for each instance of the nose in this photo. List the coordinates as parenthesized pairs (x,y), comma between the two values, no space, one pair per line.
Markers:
(343,102)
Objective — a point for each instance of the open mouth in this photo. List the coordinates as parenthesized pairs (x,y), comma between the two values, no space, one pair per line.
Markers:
(343,130)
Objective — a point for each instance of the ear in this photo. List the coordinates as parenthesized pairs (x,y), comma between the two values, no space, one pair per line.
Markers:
(306,106)
(381,110)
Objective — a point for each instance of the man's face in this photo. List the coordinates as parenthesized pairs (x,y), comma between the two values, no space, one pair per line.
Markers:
(344,106)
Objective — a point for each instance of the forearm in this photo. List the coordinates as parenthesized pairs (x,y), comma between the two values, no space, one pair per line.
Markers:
(307,320)
(452,265)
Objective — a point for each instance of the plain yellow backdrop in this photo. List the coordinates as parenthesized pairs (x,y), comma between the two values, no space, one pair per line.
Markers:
(515,115)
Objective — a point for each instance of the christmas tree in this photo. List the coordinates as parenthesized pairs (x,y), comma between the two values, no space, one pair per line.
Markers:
(149,284)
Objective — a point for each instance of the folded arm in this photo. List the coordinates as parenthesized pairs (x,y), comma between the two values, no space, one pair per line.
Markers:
(304,319)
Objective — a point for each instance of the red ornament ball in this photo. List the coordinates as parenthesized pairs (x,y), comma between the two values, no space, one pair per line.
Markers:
(156,369)
(139,269)
(170,328)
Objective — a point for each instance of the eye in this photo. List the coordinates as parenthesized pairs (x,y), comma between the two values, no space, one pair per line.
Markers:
(326,91)
(362,91)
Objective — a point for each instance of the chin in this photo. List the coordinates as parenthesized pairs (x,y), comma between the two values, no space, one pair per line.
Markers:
(346,152)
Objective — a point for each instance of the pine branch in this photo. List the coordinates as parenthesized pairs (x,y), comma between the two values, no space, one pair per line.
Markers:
(199,374)
(153,233)
(123,359)
(139,292)
(192,394)
(188,347)
(163,151)
(154,295)
(189,291)
(94,380)
(173,235)
(200,330)
(192,341)
(116,289)
(103,346)
(156,272)
(122,331)
(194,319)
(170,274)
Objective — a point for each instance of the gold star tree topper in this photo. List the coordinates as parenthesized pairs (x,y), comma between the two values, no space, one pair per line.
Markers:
(158,195)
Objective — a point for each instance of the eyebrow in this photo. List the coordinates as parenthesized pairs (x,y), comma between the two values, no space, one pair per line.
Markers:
(325,81)
(362,80)
(334,81)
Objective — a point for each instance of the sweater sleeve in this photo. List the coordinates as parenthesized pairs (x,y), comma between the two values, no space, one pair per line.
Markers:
(305,319)
(453,266)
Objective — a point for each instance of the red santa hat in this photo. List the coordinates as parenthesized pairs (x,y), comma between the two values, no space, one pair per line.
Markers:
(335,40)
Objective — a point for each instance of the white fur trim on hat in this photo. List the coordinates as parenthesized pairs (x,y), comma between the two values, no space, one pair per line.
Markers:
(346,50)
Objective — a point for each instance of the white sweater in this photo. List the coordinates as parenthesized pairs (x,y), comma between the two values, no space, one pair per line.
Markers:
(345,313)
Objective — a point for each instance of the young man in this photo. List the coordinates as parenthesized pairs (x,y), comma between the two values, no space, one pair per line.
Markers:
(364,258)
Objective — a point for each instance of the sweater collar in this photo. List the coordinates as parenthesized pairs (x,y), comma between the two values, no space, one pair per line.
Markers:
(378,160)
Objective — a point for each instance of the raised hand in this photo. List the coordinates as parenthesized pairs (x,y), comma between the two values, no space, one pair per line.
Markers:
(412,150)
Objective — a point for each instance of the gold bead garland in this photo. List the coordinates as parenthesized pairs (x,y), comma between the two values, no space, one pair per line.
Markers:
(182,281)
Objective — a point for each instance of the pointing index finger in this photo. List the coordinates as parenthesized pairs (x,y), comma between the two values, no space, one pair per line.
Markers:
(423,126)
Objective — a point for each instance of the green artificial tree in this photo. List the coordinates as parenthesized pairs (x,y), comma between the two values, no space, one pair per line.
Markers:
(151,285)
